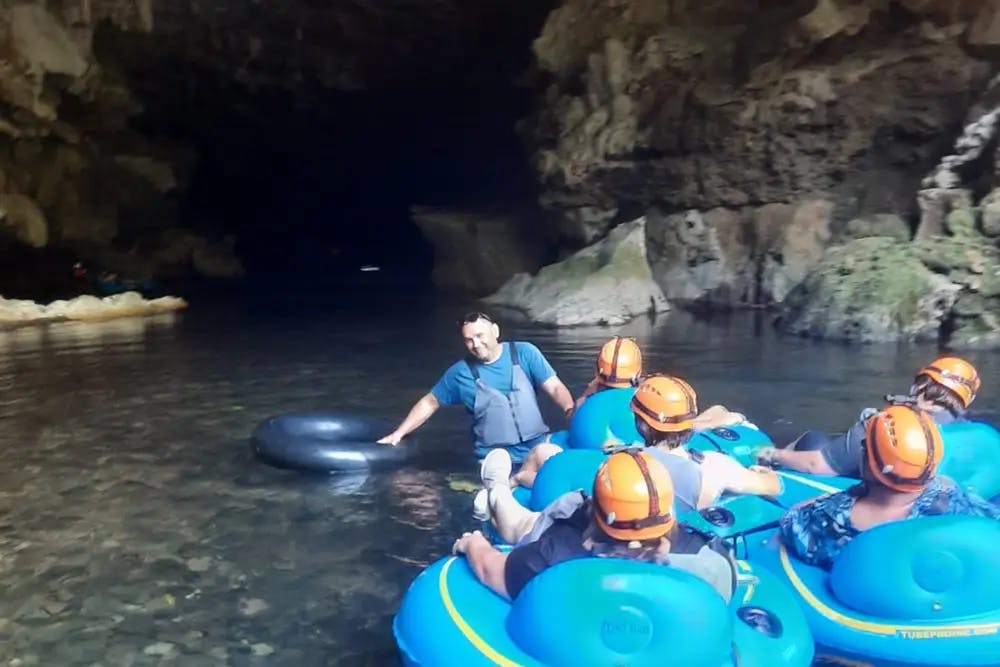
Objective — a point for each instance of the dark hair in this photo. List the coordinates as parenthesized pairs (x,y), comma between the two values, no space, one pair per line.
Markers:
(925,387)
(672,440)
(475,316)
(604,545)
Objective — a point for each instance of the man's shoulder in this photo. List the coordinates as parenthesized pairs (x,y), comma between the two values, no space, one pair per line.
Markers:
(460,367)
(524,347)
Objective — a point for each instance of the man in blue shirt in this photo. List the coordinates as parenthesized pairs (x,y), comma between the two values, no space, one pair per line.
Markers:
(496,383)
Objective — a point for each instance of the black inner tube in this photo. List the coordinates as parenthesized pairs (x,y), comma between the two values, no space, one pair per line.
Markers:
(329,442)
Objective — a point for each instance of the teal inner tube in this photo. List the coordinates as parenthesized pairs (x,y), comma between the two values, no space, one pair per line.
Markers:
(574,469)
(916,592)
(328,442)
(971,458)
(595,612)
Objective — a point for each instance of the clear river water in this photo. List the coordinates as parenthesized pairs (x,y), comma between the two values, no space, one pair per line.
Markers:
(136,528)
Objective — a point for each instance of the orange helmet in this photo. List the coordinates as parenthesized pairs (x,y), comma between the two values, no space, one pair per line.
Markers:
(619,363)
(956,374)
(668,404)
(903,448)
(633,497)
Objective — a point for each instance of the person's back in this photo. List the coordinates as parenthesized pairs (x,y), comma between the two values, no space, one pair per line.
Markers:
(630,514)
(903,450)
(686,476)
(665,408)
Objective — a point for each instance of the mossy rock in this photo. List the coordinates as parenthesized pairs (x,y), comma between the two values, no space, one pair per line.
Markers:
(989,214)
(868,290)
(962,223)
(609,282)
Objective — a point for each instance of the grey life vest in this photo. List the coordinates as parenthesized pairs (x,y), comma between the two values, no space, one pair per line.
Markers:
(506,419)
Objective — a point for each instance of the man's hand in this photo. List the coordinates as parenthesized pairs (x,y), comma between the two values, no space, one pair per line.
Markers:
(461,545)
(391,439)
(765,455)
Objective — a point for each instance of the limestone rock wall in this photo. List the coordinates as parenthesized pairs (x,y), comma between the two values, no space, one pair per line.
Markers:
(476,251)
(761,134)
(72,172)
(696,105)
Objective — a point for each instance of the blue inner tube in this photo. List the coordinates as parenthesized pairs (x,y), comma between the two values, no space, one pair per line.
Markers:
(328,442)
(595,612)
(917,592)
(971,458)
(604,418)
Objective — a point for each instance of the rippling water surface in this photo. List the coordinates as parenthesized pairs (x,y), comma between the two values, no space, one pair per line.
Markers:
(136,529)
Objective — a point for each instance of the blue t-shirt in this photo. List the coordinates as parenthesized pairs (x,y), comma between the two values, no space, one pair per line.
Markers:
(457,385)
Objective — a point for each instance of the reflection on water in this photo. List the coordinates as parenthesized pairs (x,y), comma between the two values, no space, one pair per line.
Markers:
(84,335)
(136,529)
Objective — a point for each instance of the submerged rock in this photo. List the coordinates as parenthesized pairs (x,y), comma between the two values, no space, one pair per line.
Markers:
(609,282)
(19,312)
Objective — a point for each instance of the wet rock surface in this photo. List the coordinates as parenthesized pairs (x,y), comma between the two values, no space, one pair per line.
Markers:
(21,312)
(609,283)
(702,105)
(943,289)
(477,251)
(726,258)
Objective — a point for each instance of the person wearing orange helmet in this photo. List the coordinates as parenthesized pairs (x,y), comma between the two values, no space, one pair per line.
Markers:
(628,514)
(618,366)
(902,450)
(665,409)
(944,389)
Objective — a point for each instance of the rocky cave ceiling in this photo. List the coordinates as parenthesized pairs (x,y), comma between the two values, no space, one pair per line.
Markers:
(127,127)
(237,99)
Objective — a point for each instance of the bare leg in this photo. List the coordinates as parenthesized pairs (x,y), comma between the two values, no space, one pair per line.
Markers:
(538,455)
(715,416)
(511,519)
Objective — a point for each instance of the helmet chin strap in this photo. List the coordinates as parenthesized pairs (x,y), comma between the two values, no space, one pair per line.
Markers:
(901,399)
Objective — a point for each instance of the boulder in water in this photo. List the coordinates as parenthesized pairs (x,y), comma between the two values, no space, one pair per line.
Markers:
(609,282)
(878,289)
(20,312)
